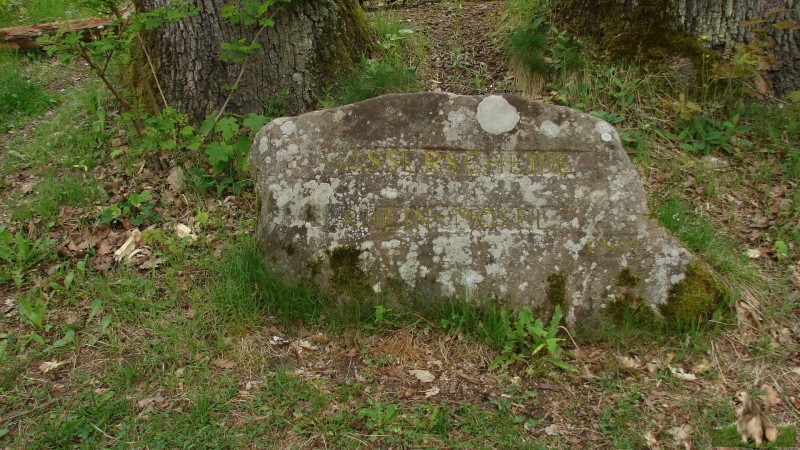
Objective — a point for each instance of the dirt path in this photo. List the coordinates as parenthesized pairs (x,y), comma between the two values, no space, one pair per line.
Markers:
(464,55)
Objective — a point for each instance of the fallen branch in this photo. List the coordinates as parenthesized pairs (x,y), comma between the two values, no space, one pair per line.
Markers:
(25,37)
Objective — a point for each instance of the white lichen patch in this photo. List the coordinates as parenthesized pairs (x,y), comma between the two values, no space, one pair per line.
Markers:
(495,115)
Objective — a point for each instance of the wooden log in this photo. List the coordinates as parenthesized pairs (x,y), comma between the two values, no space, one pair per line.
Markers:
(25,37)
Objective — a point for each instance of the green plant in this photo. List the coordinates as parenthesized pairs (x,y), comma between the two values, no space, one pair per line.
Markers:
(18,254)
(380,417)
(704,135)
(527,46)
(138,209)
(527,337)
(19,95)
(373,78)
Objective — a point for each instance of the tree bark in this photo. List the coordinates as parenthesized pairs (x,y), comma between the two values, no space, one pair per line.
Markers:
(311,42)
(724,23)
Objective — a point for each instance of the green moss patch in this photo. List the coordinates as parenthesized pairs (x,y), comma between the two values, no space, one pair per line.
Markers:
(693,299)
(347,277)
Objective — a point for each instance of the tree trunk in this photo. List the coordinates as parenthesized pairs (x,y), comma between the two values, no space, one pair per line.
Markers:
(726,23)
(312,41)
(654,27)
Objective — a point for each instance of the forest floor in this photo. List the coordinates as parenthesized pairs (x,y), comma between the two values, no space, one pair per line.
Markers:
(139,356)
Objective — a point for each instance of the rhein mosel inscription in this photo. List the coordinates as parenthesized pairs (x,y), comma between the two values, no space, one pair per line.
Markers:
(479,196)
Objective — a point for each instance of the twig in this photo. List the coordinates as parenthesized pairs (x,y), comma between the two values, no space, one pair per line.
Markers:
(113,439)
(24,413)
(241,74)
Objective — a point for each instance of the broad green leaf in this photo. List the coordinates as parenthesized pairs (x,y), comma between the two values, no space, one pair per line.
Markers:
(68,338)
(227,126)
(255,121)
(781,250)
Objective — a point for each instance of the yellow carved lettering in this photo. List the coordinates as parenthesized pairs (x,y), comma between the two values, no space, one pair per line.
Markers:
(563,161)
(350,218)
(353,161)
(391,157)
(467,215)
(407,164)
(452,163)
(373,156)
(477,165)
(420,218)
(509,222)
(390,218)
(497,164)
(547,163)
(480,219)
(432,158)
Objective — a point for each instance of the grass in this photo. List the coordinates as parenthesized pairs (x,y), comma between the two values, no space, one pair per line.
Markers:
(20,95)
(729,437)
(185,354)
(29,12)
(391,70)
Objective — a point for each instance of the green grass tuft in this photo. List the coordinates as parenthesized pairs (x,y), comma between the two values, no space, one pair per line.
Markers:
(20,96)
(729,437)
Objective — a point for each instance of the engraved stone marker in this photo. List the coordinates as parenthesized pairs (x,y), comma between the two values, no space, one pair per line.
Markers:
(477,196)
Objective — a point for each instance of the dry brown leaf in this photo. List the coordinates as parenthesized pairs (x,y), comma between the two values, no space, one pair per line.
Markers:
(681,435)
(551,430)
(224,363)
(629,362)
(771,398)
(431,392)
(424,376)
(183,231)
(128,248)
(652,439)
(681,374)
(754,253)
(47,366)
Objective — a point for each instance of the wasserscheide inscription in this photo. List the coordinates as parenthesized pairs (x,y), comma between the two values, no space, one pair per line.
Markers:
(447,162)
(388,218)
(452,162)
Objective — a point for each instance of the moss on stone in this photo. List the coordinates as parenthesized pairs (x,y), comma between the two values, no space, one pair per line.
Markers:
(626,278)
(347,277)
(693,299)
(629,308)
(556,289)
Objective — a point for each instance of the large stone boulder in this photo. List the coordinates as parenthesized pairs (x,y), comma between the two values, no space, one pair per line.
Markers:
(482,197)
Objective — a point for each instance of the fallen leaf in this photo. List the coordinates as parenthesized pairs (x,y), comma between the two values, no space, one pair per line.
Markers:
(702,366)
(653,366)
(652,439)
(681,374)
(771,398)
(306,345)
(183,231)
(47,366)
(551,430)
(158,400)
(223,363)
(127,249)
(754,253)
(681,435)
(431,392)
(629,362)
(424,376)
(277,340)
